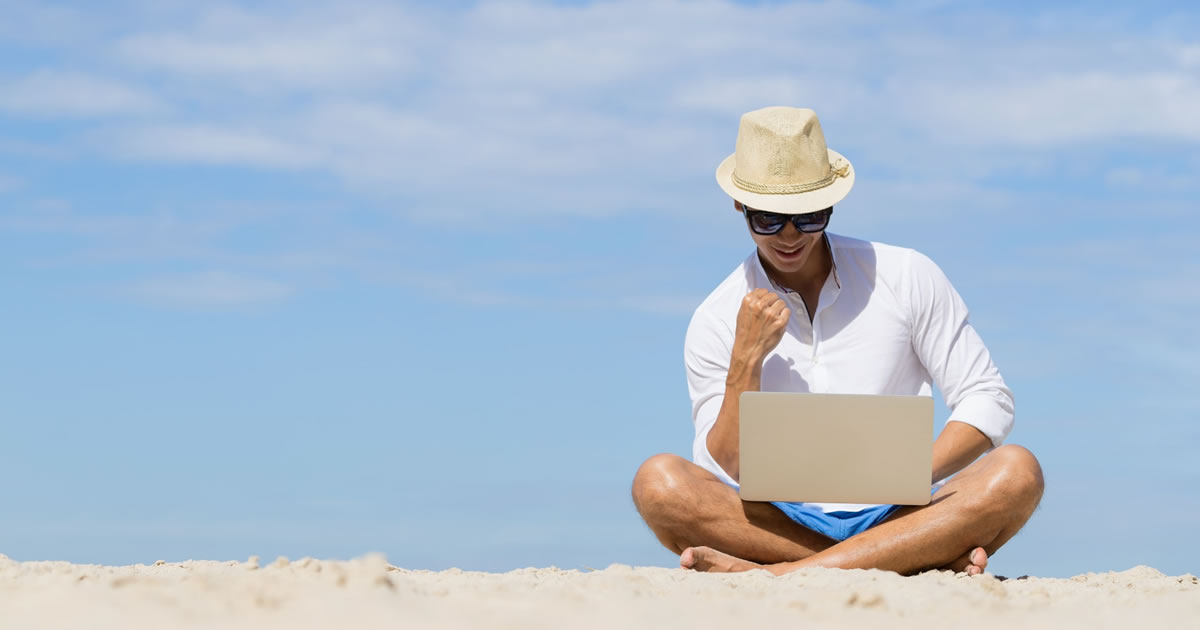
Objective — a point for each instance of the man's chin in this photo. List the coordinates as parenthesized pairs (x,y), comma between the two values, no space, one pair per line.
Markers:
(790,265)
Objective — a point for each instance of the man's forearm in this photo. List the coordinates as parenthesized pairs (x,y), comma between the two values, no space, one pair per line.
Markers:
(955,449)
(745,375)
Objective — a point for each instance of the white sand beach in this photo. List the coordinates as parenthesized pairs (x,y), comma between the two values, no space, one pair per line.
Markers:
(369,593)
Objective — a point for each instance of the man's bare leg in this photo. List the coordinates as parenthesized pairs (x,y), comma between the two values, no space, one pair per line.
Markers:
(984,506)
(687,506)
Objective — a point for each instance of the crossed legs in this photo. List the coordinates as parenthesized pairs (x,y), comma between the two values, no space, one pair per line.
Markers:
(696,515)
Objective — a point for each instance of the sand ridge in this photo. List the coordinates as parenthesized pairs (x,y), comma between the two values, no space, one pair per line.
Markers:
(368,592)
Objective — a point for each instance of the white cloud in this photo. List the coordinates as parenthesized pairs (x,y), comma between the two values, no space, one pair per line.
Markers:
(206,144)
(488,99)
(558,49)
(1189,56)
(1054,109)
(52,93)
(209,289)
(731,95)
(306,48)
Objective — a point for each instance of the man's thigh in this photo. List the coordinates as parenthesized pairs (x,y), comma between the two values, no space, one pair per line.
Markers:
(969,485)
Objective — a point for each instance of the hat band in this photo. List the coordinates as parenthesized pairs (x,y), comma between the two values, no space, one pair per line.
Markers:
(787,189)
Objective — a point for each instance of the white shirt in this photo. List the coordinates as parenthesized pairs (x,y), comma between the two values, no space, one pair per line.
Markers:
(887,322)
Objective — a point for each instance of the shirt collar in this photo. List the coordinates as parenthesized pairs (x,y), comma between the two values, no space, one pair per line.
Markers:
(762,272)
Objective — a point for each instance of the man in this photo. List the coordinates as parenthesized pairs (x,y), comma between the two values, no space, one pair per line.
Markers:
(814,311)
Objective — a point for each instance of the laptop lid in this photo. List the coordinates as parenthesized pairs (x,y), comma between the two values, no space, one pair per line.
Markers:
(835,448)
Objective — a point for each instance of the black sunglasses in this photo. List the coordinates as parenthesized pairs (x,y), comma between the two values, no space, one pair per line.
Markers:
(767,223)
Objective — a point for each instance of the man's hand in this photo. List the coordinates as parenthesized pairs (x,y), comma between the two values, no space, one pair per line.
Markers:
(761,322)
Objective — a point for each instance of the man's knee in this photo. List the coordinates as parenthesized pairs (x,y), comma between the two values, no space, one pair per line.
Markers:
(1017,476)
(660,484)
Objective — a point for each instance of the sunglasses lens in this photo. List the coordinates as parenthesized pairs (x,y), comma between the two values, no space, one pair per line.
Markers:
(767,222)
(812,221)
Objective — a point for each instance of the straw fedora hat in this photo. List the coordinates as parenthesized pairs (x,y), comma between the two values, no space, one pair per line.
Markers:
(781,163)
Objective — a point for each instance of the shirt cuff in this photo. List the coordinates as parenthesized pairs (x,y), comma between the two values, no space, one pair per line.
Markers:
(992,417)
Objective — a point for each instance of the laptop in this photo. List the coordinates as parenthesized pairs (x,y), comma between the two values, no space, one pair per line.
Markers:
(835,448)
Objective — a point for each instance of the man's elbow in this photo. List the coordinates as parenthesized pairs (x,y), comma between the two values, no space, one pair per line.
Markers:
(725,455)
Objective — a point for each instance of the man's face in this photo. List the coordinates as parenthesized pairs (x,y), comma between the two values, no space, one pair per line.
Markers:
(788,250)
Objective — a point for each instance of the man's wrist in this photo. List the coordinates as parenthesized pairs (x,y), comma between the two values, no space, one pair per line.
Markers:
(744,373)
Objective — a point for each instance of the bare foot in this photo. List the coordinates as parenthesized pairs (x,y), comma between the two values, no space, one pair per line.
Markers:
(713,561)
(972,563)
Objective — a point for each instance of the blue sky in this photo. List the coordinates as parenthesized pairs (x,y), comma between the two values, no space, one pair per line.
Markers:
(296,279)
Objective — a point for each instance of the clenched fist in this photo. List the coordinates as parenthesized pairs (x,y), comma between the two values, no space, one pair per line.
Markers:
(761,322)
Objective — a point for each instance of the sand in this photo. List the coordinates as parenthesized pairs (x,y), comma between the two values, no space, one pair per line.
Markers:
(369,593)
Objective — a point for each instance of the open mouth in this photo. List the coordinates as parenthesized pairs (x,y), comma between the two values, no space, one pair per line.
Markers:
(790,252)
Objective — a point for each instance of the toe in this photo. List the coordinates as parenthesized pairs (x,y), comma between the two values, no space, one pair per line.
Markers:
(959,565)
(979,558)
(687,559)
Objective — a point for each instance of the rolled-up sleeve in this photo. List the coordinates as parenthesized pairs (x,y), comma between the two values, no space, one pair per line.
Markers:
(954,354)
(706,352)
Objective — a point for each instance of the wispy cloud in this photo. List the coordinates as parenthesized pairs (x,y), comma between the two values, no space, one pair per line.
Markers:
(203,234)
(495,94)
(1189,56)
(53,93)
(1053,109)
(205,144)
(306,48)
(209,289)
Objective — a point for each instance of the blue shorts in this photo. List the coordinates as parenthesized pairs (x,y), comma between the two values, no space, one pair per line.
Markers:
(836,525)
